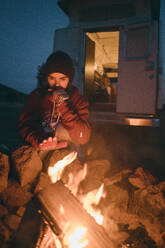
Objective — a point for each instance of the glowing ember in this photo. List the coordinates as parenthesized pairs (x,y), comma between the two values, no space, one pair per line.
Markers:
(75,239)
(55,171)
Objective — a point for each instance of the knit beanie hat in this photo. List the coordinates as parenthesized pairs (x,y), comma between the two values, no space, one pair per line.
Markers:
(59,62)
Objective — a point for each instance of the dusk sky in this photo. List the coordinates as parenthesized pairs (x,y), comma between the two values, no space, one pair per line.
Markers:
(26,39)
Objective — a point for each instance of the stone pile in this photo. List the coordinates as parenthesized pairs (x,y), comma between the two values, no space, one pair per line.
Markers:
(133,209)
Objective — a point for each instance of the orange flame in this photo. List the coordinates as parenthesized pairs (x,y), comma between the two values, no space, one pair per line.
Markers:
(93,198)
(74,237)
(73,233)
(55,171)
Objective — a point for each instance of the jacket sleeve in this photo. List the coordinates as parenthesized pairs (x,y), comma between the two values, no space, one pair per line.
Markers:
(75,119)
(29,127)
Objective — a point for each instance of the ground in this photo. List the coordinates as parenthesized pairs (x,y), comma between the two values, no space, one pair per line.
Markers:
(131,146)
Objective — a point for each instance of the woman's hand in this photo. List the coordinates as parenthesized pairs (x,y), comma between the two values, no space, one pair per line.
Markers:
(52,143)
(47,143)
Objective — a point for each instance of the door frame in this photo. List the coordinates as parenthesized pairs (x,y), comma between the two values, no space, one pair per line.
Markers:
(83,49)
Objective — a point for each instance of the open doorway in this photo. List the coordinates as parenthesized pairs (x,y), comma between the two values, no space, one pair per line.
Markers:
(101,69)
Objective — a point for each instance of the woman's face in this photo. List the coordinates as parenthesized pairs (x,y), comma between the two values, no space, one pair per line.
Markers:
(57,79)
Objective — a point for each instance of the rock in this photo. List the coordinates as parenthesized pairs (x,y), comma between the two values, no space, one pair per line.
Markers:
(20,212)
(4,171)
(43,181)
(12,221)
(150,202)
(117,177)
(149,207)
(96,170)
(3,211)
(141,178)
(15,196)
(4,233)
(27,164)
(116,198)
(139,238)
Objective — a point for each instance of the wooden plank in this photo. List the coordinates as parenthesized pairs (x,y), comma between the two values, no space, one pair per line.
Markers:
(57,196)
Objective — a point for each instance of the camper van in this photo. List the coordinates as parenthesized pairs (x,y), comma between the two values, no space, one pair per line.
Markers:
(115,46)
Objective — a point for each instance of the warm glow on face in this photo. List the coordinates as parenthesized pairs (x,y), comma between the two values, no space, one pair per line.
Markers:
(58,79)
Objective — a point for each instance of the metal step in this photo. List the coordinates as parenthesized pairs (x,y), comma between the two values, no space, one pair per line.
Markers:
(116,118)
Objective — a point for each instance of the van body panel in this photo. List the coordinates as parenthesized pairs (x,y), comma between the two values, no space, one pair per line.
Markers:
(137,84)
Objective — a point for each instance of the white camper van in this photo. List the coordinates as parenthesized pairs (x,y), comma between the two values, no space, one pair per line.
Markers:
(117,55)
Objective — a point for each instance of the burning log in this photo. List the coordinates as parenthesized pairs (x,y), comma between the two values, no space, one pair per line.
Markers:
(65,215)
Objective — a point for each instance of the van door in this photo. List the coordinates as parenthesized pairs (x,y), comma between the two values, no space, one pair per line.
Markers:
(137,82)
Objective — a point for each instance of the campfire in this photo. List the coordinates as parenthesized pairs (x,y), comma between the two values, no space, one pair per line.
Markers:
(75,220)
(90,205)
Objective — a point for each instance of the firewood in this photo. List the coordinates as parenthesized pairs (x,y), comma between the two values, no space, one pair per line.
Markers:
(57,196)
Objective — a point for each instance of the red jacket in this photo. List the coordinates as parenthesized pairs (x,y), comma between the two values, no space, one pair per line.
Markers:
(74,117)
